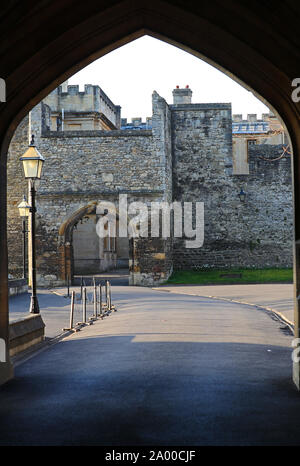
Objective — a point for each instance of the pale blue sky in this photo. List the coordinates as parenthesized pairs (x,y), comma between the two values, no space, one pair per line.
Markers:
(130,74)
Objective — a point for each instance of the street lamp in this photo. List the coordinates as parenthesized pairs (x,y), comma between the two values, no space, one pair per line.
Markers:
(242,195)
(32,165)
(24,209)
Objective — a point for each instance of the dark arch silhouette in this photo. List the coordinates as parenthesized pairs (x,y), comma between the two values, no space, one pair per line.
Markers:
(257,43)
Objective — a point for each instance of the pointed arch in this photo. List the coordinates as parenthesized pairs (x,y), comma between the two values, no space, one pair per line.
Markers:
(43,45)
(65,243)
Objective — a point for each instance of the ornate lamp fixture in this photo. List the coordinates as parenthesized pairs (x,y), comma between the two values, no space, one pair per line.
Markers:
(242,195)
(33,165)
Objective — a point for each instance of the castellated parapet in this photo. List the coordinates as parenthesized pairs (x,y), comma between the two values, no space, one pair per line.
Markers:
(90,104)
(136,123)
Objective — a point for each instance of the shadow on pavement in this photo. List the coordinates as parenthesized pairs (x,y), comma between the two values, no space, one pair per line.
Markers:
(114,390)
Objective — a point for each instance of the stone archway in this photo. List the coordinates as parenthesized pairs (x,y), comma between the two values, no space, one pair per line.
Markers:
(66,247)
(65,243)
(55,39)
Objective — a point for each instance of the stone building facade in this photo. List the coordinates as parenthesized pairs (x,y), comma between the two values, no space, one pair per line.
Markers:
(253,131)
(183,153)
(72,110)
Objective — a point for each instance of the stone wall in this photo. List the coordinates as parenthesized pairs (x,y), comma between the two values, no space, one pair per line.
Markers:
(254,233)
(82,168)
(185,157)
(151,262)
(16,188)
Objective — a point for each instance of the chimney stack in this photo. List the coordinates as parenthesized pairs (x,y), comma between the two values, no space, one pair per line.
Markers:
(182,96)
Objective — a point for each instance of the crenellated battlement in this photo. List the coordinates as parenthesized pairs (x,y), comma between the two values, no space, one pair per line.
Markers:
(252,117)
(89,90)
(68,98)
(136,123)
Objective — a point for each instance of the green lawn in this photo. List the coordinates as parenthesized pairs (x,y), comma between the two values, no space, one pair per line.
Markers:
(213,276)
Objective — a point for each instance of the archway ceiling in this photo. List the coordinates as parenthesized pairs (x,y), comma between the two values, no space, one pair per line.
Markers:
(44,42)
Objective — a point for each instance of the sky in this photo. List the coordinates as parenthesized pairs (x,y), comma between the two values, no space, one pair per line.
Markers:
(130,74)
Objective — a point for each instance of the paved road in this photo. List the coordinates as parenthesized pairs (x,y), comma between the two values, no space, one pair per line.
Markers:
(278,297)
(166,369)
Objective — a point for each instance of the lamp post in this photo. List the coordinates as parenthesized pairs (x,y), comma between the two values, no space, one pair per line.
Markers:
(24,209)
(32,165)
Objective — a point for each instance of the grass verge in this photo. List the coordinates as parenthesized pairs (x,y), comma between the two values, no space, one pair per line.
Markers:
(230,276)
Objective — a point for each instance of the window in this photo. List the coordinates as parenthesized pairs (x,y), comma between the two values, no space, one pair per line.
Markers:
(251,142)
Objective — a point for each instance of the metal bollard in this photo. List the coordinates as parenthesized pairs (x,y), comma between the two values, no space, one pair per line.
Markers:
(107,294)
(100,301)
(110,302)
(84,305)
(72,309)
(81,286)
(111,306)
(71,325)
(95,301)
(68,286)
